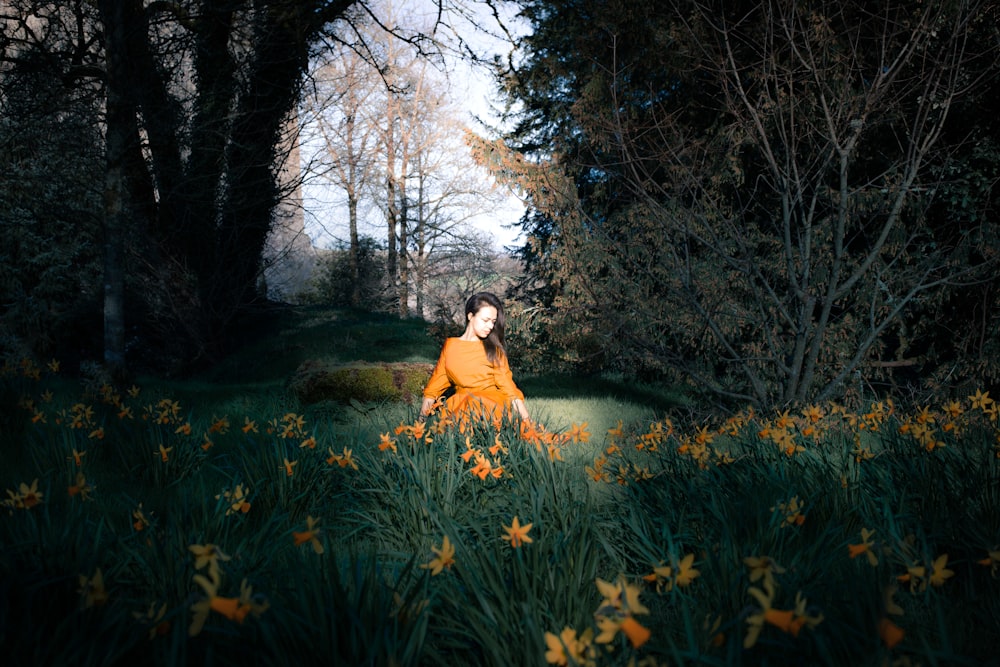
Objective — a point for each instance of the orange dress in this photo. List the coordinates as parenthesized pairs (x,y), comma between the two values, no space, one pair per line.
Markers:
(480,387)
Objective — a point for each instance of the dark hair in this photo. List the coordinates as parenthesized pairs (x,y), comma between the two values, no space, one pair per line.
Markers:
(494,343)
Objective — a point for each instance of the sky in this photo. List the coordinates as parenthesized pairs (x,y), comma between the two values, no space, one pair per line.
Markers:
(472,88)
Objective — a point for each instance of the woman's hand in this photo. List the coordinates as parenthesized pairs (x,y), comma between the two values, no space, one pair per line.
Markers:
(522,409)
(426,406)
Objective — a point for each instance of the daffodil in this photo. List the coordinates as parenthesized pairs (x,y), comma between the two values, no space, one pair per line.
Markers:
(981,400)
(249,426)
(344,459)
(164,453)
(618,608)
(566,648)
(686,573)
(235,609)
(219,425)
(763,568)
(517,534)
(661,577)
(140,521)
(890,633)
(92,589)
(26,496)
(237,500)
(578,433)
(866,547)
(153,618)
(310,534)
(444,558)
(992,561)
(386,443)
(77,457)
(787,620)
(940,572)
(81,488)
(289,467)
(208,555)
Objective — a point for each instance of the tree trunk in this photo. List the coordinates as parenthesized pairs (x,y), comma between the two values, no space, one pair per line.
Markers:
(120,130)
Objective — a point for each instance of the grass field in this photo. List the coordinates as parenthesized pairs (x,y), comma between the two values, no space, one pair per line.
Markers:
(218,521)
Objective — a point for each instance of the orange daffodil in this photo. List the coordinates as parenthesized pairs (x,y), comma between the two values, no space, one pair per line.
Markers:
(26,496)
(566,648)
(992,561)
(237,501)
(617,612)
(444,558)
(790,621)
(235,609)
(664,577)
(517,534)
(865,547)
(91,590)
(310,535)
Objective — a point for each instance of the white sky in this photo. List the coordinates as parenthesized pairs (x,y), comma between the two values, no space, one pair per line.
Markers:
(472,89)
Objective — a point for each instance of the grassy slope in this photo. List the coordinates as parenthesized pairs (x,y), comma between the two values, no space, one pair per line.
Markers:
(275,345)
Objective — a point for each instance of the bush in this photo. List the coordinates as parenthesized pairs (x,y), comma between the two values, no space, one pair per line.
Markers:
(316,381)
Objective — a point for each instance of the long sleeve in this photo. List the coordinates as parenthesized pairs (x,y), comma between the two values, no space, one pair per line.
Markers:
(439,380)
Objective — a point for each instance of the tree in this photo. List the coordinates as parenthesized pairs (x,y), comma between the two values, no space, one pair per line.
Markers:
(198,96)
(391,137)
(744,195)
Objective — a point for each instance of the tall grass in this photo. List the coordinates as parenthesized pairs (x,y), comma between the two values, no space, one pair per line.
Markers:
(732,543)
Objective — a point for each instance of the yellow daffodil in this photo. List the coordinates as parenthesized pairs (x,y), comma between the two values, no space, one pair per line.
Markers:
(620,596)
(308,443)
(164,453)
(616,433)
(981,400)
(208,555)
(92,589)
(763,568)
(565,647)
(310,534)
(940,572)
(26,496)
(443,559)
(866,547)
(686,573)
(661,578)
(234,609)
(141,522)
(249,426)
(237,500)
(386,443)
(517,534)
(578,433)
(620,604)
(790,621)
(77,457)
(81,488)
(288,467)
(219,425)
(344,459)
(992,561)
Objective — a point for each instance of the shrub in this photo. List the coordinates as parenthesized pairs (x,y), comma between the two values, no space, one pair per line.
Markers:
(316,381)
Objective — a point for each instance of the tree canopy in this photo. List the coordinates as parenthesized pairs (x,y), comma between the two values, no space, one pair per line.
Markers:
(757,198)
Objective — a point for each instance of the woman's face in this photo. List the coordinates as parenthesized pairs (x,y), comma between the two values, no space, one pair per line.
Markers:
(482,321)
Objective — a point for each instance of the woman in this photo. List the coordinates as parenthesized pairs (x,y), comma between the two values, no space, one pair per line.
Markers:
(475,363)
